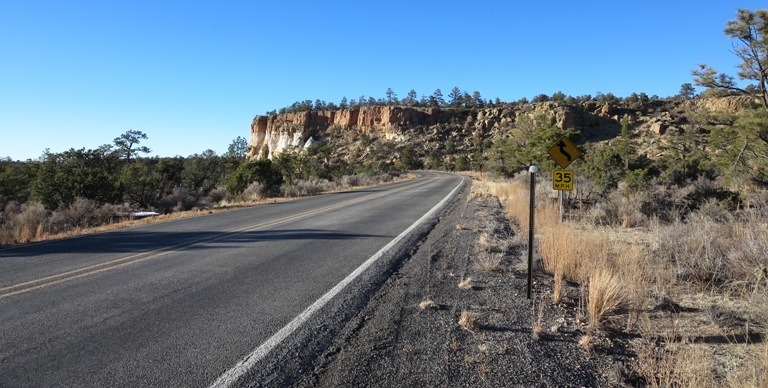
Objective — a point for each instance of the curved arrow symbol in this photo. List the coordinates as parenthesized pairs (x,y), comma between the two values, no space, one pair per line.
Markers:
(562,146)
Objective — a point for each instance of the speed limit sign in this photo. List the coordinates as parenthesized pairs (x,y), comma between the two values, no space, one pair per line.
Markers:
(562,180)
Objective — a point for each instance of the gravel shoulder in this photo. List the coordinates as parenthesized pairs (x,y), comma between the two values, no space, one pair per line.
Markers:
(408,334)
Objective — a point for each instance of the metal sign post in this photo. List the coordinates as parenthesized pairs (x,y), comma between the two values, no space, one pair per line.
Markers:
(532,170)
(562,180)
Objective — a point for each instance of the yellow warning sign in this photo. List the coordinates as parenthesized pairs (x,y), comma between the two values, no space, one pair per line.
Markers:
(564,152)
(562,180)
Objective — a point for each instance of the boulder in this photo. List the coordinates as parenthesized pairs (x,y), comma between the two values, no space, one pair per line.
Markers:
(659,127)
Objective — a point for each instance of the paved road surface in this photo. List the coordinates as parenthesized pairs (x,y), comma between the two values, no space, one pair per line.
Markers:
(179,303)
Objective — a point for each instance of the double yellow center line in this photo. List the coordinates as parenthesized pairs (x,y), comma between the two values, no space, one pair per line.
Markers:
(110,265)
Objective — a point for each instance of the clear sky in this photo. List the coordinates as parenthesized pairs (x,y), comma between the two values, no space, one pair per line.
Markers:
(192,74)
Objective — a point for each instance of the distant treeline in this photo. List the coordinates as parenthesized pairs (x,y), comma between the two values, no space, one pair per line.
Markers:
(462,99)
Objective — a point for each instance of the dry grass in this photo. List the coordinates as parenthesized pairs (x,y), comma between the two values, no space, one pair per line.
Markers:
(428,305)
(483,369)
(606,295)
(587,342)
(754,370)
(675,365)
(466,284)
(557,291)
(469,321)
(488,262)
(626,253)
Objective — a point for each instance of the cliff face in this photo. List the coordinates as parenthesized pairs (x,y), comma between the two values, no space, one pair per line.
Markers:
(429,129)
(271,135)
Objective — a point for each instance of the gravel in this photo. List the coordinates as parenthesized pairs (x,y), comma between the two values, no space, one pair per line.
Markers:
(393,340)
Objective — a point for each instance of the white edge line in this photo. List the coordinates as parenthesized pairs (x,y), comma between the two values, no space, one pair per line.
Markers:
(241,368)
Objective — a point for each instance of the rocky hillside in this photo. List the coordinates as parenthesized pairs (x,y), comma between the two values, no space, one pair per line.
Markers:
(429,130)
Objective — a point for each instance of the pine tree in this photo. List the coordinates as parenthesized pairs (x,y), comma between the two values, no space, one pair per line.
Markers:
(456,97)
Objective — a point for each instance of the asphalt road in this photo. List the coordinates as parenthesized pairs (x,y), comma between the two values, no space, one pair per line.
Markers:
(180,303)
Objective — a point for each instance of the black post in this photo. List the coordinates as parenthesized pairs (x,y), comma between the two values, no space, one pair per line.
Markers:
(532,170)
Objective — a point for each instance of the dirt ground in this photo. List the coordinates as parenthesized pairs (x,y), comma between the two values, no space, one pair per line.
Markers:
(410,334)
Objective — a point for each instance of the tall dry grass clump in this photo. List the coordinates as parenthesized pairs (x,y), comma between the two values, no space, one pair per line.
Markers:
(606,295)
(566,250)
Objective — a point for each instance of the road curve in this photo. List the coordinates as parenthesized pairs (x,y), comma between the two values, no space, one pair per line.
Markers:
(180,303)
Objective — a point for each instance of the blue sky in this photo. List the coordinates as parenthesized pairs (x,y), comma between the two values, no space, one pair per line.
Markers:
(192,74)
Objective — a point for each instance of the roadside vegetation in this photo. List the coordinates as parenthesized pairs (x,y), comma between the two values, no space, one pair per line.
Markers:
(78,190)
(663,255)
(684,296)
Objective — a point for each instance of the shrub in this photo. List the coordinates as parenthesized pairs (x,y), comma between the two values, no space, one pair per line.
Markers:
(627,210)
(674,365)
(252,192)
(109,213)
(218,195)
(351,181)
(748,255)
(695,247)
(81,213)
(715,210)
(179,200)
(307,187)
(263,171)
(29,223)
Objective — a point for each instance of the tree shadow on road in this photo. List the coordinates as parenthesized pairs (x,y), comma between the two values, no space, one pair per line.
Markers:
(127,241)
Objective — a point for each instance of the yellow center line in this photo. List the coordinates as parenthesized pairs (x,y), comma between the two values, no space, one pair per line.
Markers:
(113,264)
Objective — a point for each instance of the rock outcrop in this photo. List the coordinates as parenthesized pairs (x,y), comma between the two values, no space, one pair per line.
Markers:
(731,104)
(271,135)
(468,129)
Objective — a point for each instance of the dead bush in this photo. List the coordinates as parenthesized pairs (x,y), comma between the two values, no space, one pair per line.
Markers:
(309,187)
(674,365)
(715,210)
(110,213)
(466,284)
(748,256)
(28,224)
(81,213)
(357,180)
(625,210)
(252,192)
(489,262)
(599,214)
(696,249)
(428,305)
(351,181)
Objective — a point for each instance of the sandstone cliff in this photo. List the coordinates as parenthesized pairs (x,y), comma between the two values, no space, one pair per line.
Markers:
(271,135)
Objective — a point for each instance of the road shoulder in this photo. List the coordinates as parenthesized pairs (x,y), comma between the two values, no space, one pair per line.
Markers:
(409,333)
